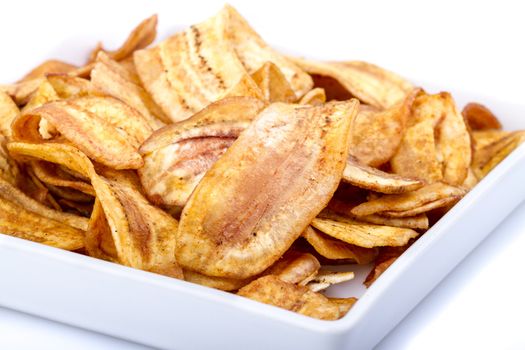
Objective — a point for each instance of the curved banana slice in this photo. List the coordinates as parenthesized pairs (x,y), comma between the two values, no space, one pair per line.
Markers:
(177,156)
(265,190)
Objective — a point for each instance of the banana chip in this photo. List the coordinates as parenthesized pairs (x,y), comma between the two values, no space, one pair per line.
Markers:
(486,158)
(8,112)
(51,174)
(286,164)
(364,235)
(313,97)
(411,203)
(107,130)
(191,69)
(298,268)
(371,84)
(143,235)
(177,156)
(113,79)
(377,134)
(273,84)
(387,256)
(479,117)
(222,283)
(274,291)
(67,86)
(376,180)
(335,249)
(325,279)
(482,138)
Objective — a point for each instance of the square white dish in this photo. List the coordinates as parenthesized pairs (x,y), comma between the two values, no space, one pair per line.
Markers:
(166,313)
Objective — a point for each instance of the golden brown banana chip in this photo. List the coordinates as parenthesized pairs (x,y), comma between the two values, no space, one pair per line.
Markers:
(315,96)
(51,174)
(274,291)
(295,268)
(341,207)
(82,209)
(482,138)
(113,79)
(344,304)
(371,84)
(386,257)
(12,194)
(364,235)
(16,221)
(246,86)
(9,170)
(21,92)
(8,112)
(376,180)
(44,94)
(67,86)
(479,117)
(48,67)
(139,38)
(273,84)
(402,203)
(377,134)
(336,249)
(486,158)
(286,164)
(417,155)
(143,235)
(191,69)
(104,128)
(222,283)
(326,278)
(177,156)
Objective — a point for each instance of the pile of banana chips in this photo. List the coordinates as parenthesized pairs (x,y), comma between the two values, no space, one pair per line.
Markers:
(213,158)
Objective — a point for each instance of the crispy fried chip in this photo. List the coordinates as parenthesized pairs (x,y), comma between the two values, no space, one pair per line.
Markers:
(336,249)
(8,112)
(344,304)
(377,134)
(417,155)
(480,117)
(482,138)
(48,67)
(139,38)
(51,174)
(286,164)
(313,97)
(191,69)
(325,279)
(16,221)
(66,86)
(376,180)
(104,128)
(177,156)
(410,203)
(143,235)
(222,283)
(386,257)
(371,84)
(295,268)
(364,235)
(12,194)
(273,84)
(113,79)
(341,207)
(9,170)
(486,158)
(274,291)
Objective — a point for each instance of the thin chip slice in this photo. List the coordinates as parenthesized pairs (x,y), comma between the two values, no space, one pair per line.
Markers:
(177,156)
(387,256)
(482,138)
(364,235)
(9,170)
(408,201)
(104,128)
(51,174)
(48,67)
(377,134)
(371,84)
(336,249)
(325,279)
(274,291)
(143,235)
(315,96)
(8,112)
(295,268)
(139,38)
(246,86)
(276,177)
(19,222)
(113,79)
(417,155)
(376,180)
(67,86)
(273,84)
(480,117)
(222,283)
(344,304)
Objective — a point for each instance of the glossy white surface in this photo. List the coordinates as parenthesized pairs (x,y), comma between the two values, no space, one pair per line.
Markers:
(473,49)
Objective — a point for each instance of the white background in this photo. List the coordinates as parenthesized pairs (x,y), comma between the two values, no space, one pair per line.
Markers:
(473,46)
